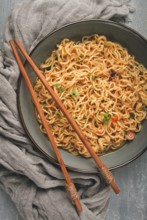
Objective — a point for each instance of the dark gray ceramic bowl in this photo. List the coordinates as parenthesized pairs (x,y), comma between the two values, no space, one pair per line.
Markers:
(128,38)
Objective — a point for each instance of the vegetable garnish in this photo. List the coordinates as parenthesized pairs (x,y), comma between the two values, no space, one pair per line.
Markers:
(82,55)
(80,58)
(74,92)
(130,135)
(72,68)
(62,89)
(59,87)
(114,119)
(90,72)
(106,118)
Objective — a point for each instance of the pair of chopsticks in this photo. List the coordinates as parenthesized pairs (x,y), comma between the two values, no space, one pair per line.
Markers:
(107,175)
(69,184)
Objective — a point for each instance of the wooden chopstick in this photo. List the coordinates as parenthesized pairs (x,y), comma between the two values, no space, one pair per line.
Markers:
(107,175)
(69,184)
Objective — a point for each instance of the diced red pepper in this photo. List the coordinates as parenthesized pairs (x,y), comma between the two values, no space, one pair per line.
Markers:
(114,119)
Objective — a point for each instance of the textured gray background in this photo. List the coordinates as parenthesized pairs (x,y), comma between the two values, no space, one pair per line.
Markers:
(131,204)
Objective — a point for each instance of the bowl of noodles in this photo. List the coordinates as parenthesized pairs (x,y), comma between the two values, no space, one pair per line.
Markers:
(98,70)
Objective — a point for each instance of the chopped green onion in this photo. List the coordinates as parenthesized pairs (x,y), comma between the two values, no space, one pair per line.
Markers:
(82,55)
(62,89)
(106,118)
(59,87)
(72,68)
(80,58)
(74,92)
(90,72)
